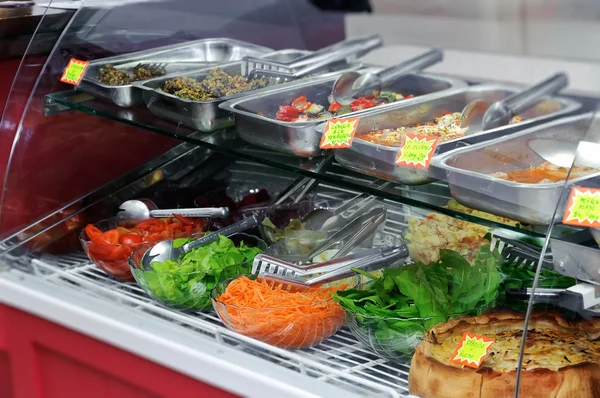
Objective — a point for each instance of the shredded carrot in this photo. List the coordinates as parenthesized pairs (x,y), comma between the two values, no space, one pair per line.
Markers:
(266,311)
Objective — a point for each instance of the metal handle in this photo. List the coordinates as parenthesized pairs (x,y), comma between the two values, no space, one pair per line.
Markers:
(218,212)
(239,226)
(388,256)
(337,56)
(362,44)
(522,100)
(413,65)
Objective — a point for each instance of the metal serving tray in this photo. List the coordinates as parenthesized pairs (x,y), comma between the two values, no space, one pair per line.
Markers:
(378,160)
(206,115)
(206,52)
(255,114)
(468,172)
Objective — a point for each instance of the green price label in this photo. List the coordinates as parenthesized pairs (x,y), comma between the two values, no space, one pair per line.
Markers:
(74,72)
(583,208)
(471,350)
(339,133)
(416,151)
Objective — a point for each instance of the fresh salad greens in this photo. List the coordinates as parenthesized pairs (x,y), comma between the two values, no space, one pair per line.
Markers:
(399,306)
(187,283)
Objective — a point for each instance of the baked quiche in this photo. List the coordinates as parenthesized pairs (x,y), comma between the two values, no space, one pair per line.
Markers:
(562,358)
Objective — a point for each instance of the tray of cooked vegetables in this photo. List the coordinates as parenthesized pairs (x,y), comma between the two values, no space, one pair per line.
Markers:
(380,133)
(285,119)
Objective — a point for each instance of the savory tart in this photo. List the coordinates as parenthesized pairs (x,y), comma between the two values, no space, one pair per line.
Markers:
(561,360)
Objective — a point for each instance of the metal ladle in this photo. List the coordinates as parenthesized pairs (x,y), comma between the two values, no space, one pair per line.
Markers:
(351,85)
(142,209)
(479,116)
(165,250)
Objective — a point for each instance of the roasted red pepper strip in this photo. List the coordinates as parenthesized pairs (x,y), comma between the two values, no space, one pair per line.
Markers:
(301,103)
(362,103)
(287,113)
(335,107)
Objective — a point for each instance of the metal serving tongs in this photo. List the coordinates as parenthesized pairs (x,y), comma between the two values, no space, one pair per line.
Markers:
(357,231)
(319,62)
(367,44)
(583,298)
(293,275)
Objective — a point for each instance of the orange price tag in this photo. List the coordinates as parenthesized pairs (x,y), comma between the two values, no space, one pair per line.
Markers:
(74,71)
(339,133)
(417,151)
(583,207)
(471,350)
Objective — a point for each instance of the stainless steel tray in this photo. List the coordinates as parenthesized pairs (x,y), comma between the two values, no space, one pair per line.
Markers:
(206,51)
(206,115)
(468,170)
(378,160)
(255,114)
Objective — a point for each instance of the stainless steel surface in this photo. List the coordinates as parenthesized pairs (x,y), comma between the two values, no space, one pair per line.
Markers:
(166,249)
(203,52)
(378,160)
(352,85)
(502,111)
(468,172)
(320,62)
(471,117)
(143,209)
(255,114)
(203,115)
(575,260)
(559,153)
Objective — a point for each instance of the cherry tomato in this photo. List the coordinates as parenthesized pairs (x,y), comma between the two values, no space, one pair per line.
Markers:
(301,103)
(94,233)
(111,236)
(409,96)
(335,107)
(287,113)
(131,239)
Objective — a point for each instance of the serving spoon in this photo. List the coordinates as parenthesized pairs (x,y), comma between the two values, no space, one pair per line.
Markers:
(166,250)
(479,116)
(351,85)
(142,209)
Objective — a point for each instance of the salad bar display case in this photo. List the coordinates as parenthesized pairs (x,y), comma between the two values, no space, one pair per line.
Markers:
(194,233)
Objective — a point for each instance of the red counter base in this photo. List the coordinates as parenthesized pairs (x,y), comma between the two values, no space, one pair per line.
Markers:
(39,359)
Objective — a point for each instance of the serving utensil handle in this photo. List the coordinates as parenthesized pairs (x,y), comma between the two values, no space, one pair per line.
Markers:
(232,229)
(412,65)
(217,212)
(522,100)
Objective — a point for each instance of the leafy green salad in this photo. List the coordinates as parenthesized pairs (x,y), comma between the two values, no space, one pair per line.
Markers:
(187,283)
(396,308)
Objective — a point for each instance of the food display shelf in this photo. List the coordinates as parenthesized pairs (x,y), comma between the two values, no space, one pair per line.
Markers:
(341,362)
(431,197)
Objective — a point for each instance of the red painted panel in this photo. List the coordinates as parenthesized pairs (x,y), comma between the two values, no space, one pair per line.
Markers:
(5,376)
(53,366)
(65,364)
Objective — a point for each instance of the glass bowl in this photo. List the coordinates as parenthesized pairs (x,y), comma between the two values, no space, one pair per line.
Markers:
(187,290)
(397,337)
(112,257)
(291,326)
